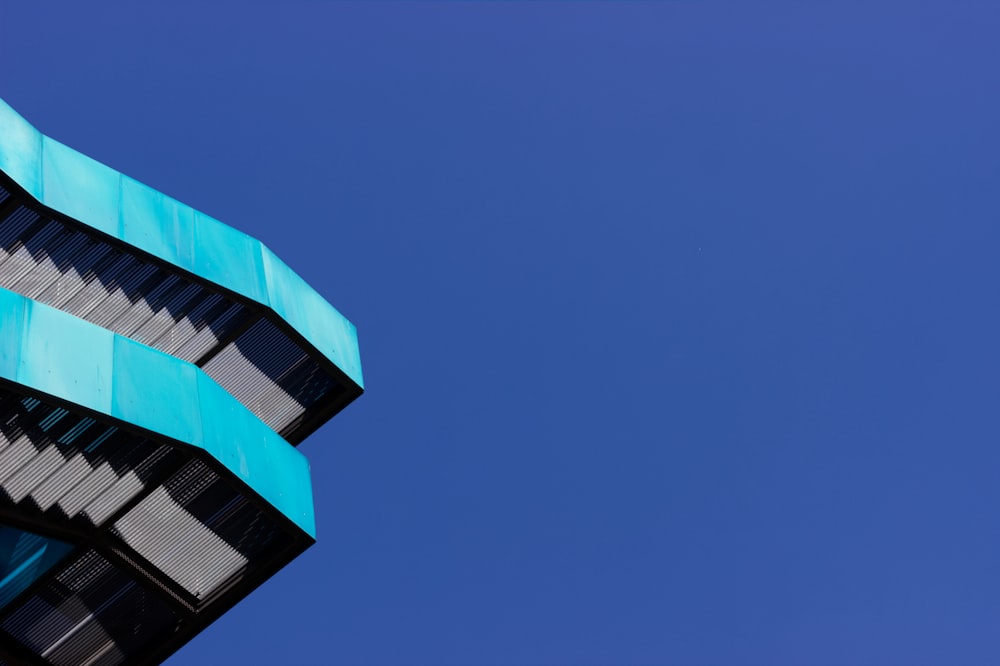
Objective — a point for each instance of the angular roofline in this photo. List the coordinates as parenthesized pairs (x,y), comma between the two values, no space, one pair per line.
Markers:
(121,207)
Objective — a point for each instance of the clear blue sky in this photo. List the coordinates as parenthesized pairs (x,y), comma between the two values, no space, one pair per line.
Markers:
(680,319)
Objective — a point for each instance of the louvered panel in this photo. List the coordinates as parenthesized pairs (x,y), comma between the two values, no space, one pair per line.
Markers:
(255,361)
(90,641)
(213,502)
(214,533)
(101,475)
(188,483)
(197,559)
(108,659)
(6,440)
(77,431)
(241,525)
(14,225)
(244,381)
(306,384)
(121,491)
(135,469)
(207,338)
(118,297)
(54,488)
(142,308)
(182,332)
(154,302)
(48,458)
(49,616)
(175,307)
(15,456)
(32,474)
(130,454)
(270,375)
(46,270)
(276,407)
(173,314)
(268,349)
(74,273)
(38,623)
(21,260)
(94,290)
(146,300)
(87,489)
(56,458)
(89,613)
(70,248)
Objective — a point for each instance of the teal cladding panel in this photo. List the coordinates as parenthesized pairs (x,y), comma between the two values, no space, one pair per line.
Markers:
(300,305)
(102,198)
(152,220)
(20,150)
(259,458)
(223,254)
(80,187)
(12,308)
(68,358)
(64,359)
(155,392)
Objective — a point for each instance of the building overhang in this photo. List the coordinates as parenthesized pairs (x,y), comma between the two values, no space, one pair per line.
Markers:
(137,465)
(64,187)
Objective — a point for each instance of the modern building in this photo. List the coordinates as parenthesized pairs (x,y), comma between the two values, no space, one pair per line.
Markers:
(157,370)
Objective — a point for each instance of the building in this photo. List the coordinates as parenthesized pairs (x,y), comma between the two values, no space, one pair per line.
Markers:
(157,369)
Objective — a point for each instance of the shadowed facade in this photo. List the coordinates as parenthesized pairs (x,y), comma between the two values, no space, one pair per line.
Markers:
(156,370)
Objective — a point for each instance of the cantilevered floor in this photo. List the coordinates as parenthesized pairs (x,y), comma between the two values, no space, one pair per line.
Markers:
(129,517)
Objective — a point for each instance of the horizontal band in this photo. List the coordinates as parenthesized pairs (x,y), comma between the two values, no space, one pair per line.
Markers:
(61,356)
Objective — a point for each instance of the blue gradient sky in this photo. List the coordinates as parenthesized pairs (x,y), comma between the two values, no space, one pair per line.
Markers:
(679,319)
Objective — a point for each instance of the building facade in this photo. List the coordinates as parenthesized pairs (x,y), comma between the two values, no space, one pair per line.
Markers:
(157,370)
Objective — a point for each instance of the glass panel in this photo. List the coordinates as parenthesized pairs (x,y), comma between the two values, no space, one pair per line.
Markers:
(24,558)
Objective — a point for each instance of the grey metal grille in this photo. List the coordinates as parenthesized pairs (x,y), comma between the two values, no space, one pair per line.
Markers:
(57,263)
(191,524)
(71,467)
(90,613)
(270,374)
(214,532)
(144,515)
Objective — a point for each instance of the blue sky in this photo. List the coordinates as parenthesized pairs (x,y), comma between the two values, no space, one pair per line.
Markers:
(679,319)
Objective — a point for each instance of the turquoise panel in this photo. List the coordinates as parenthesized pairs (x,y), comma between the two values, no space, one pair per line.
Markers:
(260,464)
(227,256)
(102,198)
(73,360)
(80,187)
(310,314)
(20,150)
(12,308)
(62,358)
(155,222)
(145,377)
(24,558)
